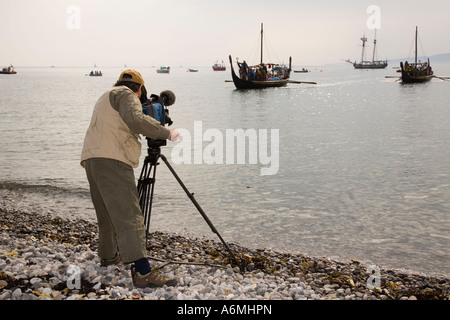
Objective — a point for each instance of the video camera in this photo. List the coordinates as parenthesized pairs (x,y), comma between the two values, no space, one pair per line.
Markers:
(156,107)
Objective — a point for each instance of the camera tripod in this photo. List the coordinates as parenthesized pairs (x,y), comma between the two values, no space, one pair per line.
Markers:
(146,187)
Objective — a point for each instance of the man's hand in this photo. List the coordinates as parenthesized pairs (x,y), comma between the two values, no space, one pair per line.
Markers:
(174,135)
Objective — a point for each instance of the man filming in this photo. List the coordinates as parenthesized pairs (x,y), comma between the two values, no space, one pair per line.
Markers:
(110,152)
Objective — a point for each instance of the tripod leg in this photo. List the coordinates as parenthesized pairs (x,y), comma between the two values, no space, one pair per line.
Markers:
(146,186)
(199,208)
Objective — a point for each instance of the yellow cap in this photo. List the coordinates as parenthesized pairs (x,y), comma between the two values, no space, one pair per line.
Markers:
(135,76)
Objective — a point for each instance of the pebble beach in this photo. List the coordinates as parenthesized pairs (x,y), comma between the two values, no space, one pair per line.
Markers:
(46,256)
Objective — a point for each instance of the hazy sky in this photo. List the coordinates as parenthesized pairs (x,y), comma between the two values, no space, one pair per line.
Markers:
(199,32)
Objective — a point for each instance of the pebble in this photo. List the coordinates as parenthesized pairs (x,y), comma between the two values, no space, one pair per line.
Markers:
(45,257)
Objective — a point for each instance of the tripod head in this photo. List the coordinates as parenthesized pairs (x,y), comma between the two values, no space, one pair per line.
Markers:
(152,143)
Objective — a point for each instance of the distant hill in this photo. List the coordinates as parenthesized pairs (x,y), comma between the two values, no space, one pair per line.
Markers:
(445,57)
(437,58)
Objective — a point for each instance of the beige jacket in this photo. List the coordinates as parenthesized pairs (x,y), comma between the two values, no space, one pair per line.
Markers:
(117,121)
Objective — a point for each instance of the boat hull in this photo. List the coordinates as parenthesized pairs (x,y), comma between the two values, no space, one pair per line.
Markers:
(244,84)
(407,79)
(163,70)
(370,66)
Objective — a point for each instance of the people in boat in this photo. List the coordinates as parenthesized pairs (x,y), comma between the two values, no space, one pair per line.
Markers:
(259,76)
(420,69)
(261,72)
(243,70)
(263,69)
(8,69)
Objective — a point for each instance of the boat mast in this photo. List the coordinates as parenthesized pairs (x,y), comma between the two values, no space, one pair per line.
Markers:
(416,46)
(261,43)
(364,39)
(374,46)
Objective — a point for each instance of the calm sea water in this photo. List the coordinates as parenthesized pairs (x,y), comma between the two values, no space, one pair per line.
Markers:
(364,161)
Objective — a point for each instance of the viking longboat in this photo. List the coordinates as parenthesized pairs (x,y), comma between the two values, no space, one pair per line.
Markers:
(264,75)
(416,72)
(246,82)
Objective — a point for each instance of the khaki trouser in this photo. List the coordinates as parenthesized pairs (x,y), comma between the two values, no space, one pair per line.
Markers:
(116,202)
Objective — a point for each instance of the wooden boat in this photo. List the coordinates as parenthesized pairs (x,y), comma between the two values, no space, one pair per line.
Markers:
(416,72)
(8,70)
(302,71)
(163,70)
(192,70)
(374,64)
(219,67)
(263,75)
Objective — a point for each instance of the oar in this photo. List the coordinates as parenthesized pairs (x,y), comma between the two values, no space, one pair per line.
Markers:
(442,78)
(300,82)
(389,77)
(228,80)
